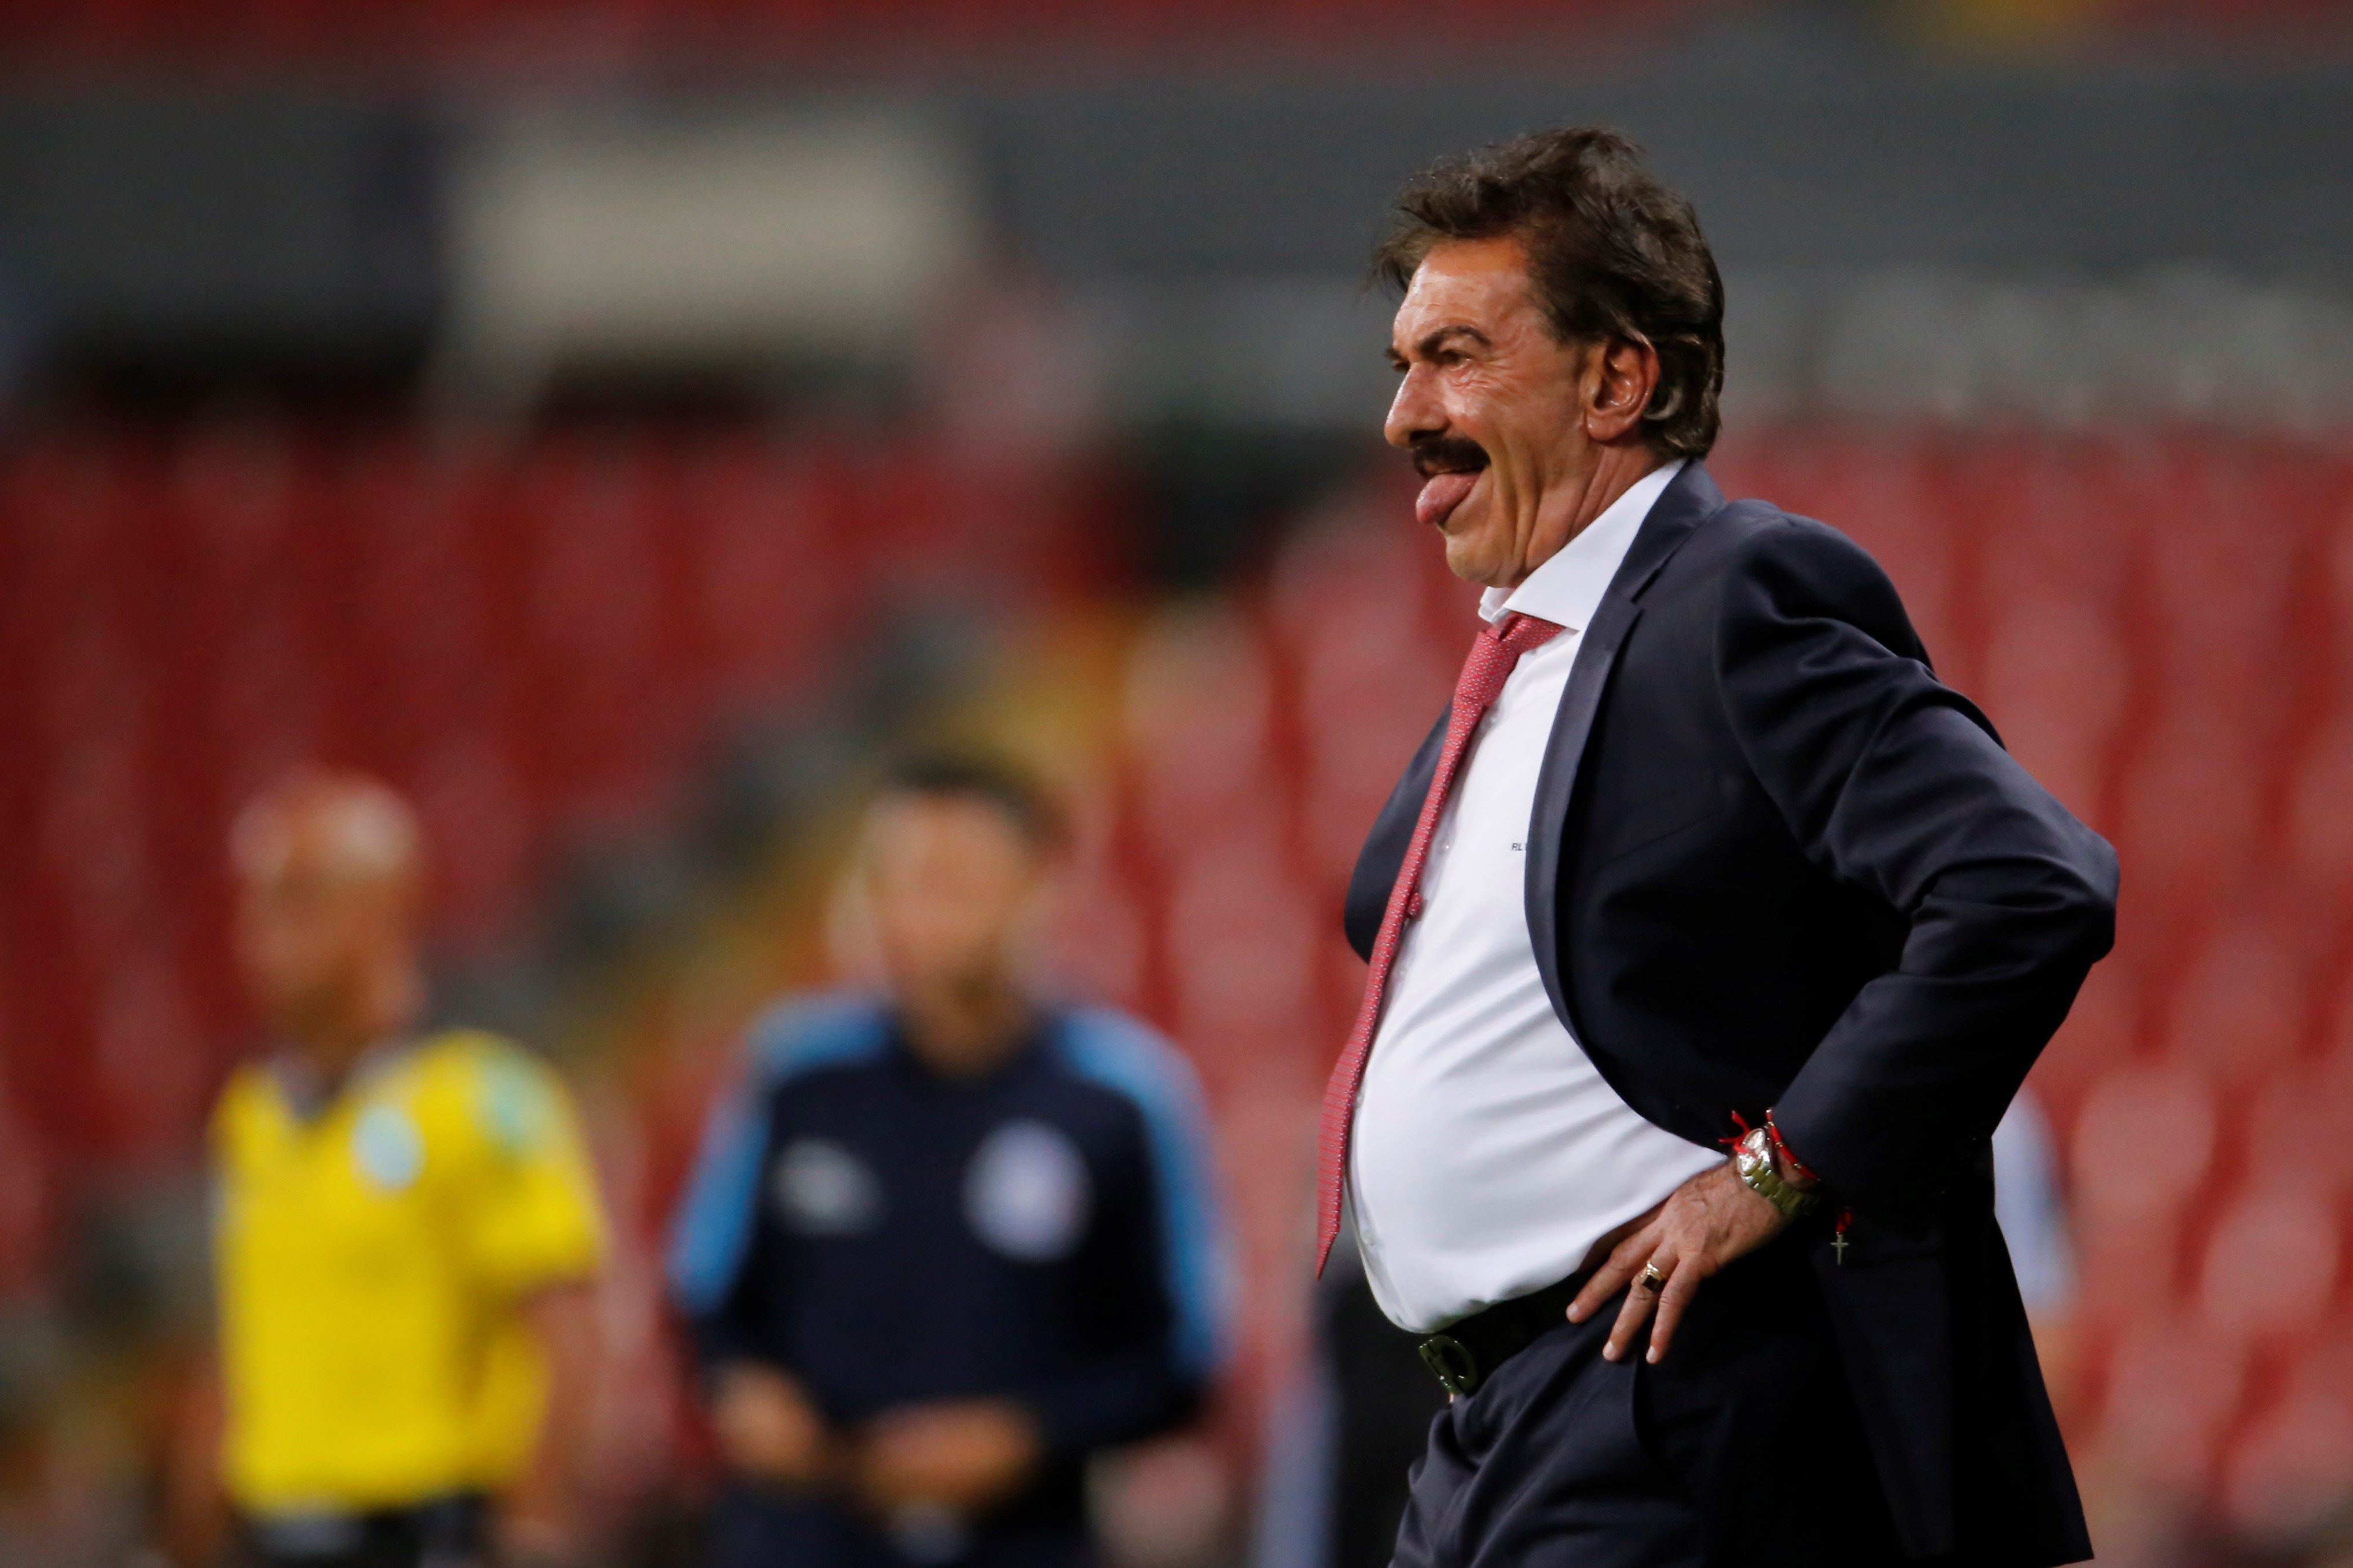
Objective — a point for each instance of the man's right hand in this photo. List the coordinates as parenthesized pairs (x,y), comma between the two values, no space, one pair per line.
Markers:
(768,1429)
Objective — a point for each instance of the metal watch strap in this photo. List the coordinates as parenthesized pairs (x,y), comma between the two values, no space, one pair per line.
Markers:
(1755,1166)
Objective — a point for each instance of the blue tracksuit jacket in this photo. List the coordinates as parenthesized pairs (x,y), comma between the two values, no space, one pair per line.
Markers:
(1045,1231)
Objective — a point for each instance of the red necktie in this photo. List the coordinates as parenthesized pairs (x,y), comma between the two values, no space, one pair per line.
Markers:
(1492,659)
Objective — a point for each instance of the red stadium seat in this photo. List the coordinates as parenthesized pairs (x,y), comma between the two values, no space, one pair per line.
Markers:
(422,622)
(2271,1265)
(2300,1126)
(1889,496)
(483,836)
(2142,1143)
(2056,682)
(24,1198)
(2189,798)
(2290,1474)
(154,1063)
(1372,674)
(1355,557)
(2319,828)
(1199,708)
(236,492)
(92,809)
(2172,1389)
(2243,1007)
(2220,580)
(1100,947)
(2102,1030)
(2057,513)
(759,534)
(1242,943)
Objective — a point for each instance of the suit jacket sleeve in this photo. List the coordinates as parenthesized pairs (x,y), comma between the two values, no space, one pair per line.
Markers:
(1896,786)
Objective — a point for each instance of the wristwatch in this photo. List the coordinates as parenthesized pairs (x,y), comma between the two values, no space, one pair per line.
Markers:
(1753,1158)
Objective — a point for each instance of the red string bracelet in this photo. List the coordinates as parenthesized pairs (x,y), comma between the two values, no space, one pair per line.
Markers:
(1782,1149)
(1845,1220)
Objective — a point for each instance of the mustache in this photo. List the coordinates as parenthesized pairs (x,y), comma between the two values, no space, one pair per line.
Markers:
(1446,455)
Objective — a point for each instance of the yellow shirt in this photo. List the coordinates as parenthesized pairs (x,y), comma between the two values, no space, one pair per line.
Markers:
(370,1262)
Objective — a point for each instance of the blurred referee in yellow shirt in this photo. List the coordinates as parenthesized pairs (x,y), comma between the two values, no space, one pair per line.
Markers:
(405,1231)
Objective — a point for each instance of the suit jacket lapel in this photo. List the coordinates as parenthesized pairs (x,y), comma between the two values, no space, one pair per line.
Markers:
(1384,852)
(1680,509)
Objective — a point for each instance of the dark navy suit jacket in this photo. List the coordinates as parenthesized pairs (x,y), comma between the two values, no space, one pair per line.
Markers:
(1775,863)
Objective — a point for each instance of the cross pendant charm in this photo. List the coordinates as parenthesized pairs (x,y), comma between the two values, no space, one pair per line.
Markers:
(1838,1247)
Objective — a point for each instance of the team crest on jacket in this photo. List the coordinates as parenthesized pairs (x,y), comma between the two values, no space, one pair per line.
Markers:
(387,1147)
(1026,1193)
(822,1189)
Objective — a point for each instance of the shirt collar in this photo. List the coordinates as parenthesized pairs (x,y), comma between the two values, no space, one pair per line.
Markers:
(1566,589)
(306,1092)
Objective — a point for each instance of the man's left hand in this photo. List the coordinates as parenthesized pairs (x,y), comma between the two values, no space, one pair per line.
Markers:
(1705,1224)
(965,1455)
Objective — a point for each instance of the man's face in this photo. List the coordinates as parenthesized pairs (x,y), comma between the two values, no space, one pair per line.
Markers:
(952,884)
(310,927)
(1490,409)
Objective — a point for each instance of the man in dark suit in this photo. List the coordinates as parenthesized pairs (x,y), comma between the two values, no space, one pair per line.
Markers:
(1709,935)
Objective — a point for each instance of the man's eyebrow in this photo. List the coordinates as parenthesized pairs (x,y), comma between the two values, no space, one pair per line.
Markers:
(1436,339)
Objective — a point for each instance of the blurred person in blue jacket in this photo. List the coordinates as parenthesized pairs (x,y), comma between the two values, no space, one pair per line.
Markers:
(2030,1206)
(946,1240)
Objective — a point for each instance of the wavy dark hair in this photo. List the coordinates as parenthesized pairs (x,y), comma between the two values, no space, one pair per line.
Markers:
(1613,255)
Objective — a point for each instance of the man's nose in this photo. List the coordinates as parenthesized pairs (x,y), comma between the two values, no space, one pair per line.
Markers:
(1414,411)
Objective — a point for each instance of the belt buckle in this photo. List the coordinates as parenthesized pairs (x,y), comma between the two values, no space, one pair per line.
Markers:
(1451,1363)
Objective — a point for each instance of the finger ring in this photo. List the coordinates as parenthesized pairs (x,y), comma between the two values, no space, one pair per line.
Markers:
(1653,1279)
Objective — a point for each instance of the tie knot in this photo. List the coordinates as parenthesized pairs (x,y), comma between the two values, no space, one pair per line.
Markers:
(1494,655)
(1520,634)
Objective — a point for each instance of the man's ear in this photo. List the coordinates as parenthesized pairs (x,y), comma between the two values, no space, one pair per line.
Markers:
(1620,377)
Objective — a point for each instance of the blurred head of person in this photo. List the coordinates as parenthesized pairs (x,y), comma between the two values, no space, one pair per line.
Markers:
(328,870)
(1561,334)
(957,857)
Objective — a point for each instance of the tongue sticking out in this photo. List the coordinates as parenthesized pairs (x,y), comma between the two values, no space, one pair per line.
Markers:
(1442,495)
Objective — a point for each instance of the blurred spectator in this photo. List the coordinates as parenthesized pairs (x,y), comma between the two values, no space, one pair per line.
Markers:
(2033,1220)
(947,1241)
(405,1229)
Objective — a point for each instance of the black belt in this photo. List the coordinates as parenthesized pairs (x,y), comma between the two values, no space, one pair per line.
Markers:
(1466,1355)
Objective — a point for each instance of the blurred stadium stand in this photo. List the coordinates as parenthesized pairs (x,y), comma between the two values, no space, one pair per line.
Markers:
(546,646)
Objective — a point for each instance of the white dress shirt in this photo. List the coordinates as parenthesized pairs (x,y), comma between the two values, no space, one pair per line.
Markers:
(1488,1154)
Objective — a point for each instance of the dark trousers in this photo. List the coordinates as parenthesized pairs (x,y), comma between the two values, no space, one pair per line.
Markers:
(1740,1447)
(450,1532)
